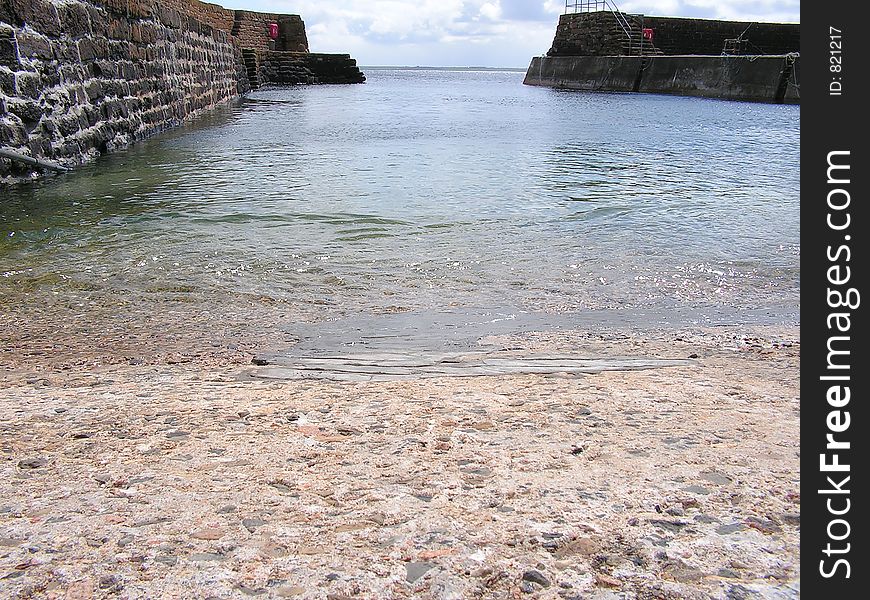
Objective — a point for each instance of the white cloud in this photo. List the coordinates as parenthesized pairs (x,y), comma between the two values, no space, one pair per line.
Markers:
(504,33)
(491,11)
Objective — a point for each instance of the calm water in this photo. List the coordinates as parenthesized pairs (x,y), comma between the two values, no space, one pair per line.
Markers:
(432,189)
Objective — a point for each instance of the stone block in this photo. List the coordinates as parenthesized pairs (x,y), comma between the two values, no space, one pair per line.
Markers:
(29,111)
(48,127)
(7,83)
(67,149)
(12,134)
(8,49)
(65,51)
(104,68)
(6,14)
(92,48)
(49,73)
(99,21)
(41,15)
(120,29)
(94,90)
(39,147)
(111,87)
(119,51)
(73,73)
(34,45)
(28,85)
(74,20)
(169,17)
(93,115)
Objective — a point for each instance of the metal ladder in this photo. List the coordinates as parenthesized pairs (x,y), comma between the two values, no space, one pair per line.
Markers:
(576,6)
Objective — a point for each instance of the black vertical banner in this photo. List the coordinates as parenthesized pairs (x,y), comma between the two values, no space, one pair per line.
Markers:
(834,265)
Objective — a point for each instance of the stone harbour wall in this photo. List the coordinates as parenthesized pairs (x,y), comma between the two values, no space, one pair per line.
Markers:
(82,77)
(591,51)
(79,78)
(588,34)
(599,34)
(675,36)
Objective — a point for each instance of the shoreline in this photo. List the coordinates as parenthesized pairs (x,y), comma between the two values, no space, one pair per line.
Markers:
(198,480)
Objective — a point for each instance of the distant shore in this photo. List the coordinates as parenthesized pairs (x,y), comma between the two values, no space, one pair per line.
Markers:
(421,68)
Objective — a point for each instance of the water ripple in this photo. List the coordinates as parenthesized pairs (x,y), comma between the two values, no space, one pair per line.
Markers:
(432,188)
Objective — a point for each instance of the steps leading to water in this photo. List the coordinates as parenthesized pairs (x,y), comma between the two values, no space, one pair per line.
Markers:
(249,57)
(281,67)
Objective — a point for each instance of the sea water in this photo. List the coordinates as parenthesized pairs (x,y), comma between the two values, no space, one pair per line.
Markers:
(433,190)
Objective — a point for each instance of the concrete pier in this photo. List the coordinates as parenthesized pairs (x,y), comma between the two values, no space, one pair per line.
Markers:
(751,78)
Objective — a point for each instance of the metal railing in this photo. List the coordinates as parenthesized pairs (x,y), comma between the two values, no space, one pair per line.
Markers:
(585,5)
(579,6)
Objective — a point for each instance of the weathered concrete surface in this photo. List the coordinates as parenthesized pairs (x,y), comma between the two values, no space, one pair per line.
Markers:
(592,73)
(155,479)
(754,78)
(751,78)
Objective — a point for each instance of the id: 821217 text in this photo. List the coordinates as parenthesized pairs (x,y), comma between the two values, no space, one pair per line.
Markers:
(835,60)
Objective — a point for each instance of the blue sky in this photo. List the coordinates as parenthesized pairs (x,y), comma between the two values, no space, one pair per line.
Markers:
(492,33)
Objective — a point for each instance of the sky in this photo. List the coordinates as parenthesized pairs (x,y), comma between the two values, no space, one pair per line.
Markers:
(481,33)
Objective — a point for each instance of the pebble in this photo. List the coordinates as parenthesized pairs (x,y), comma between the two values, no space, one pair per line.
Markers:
(535,576)
(210,533)
(205,557)
(580,546)
(730,528)
(763,525)
(109,581)
(672,526)
(415,570)
(684,573)
(705,519)
(605,580)
(716,478)
(5,541)
(252,524)
(249,591)
(32,463)
(791,519)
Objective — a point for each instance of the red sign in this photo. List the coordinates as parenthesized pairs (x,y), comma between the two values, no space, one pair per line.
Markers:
(647,33)
(273,31)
